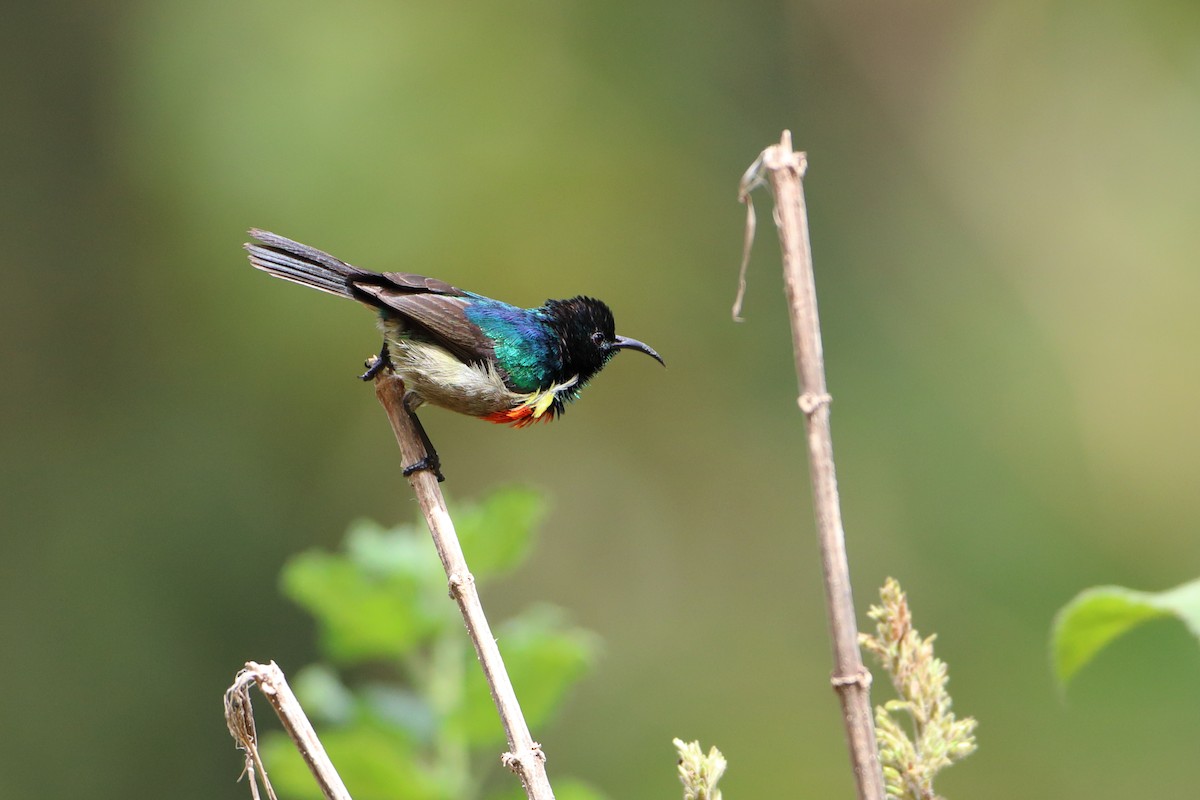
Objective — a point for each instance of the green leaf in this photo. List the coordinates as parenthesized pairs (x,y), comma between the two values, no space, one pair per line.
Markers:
(401,709)
(323,695)
(368,608)
(373,764)
(401,551)
(1099,615)
(496,535)
(544,658)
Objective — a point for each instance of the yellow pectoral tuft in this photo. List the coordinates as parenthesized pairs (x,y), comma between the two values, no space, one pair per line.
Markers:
(533,406)
(543,402)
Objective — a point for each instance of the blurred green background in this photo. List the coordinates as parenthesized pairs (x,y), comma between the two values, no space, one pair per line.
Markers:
(1004,200)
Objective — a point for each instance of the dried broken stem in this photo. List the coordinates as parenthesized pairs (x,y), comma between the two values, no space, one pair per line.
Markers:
(239,716)
(524,755)
(784,169)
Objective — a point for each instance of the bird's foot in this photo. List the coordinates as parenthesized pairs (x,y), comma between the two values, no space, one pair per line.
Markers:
(431,463)
(376,364)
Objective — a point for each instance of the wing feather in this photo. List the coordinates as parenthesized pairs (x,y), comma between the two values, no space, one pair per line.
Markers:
(420,283)
(427,305)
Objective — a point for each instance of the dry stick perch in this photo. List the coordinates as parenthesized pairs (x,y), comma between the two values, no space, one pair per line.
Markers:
(524,755)
(784,170)
(240,719)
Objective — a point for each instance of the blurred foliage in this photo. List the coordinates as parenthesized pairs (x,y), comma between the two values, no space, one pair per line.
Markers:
(406,714)
(917,732)
(1097,616)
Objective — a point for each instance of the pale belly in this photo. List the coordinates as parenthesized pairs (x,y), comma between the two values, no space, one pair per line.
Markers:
(432,375)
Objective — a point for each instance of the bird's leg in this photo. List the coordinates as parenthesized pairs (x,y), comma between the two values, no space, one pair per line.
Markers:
(431,461)
(377,364)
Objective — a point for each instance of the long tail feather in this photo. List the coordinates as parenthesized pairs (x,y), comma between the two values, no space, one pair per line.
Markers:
(300,263)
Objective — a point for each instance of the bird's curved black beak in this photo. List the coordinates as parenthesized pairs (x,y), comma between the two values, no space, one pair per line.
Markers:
(620,342)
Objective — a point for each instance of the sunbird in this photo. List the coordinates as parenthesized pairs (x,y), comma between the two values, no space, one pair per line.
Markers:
(460,350)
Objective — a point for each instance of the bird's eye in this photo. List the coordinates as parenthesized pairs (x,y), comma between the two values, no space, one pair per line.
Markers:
(598,338)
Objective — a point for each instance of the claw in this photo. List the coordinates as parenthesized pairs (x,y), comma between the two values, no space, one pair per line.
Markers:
(430,463)
(376,364)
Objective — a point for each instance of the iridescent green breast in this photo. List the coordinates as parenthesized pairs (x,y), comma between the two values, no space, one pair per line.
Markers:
(526,347)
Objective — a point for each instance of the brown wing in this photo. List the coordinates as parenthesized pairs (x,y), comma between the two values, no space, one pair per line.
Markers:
(419,283)
(433,308)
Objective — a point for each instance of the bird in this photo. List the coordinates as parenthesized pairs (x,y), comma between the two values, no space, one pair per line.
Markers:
(460,350)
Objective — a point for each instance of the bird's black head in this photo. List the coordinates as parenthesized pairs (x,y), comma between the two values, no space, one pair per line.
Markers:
(587,336)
